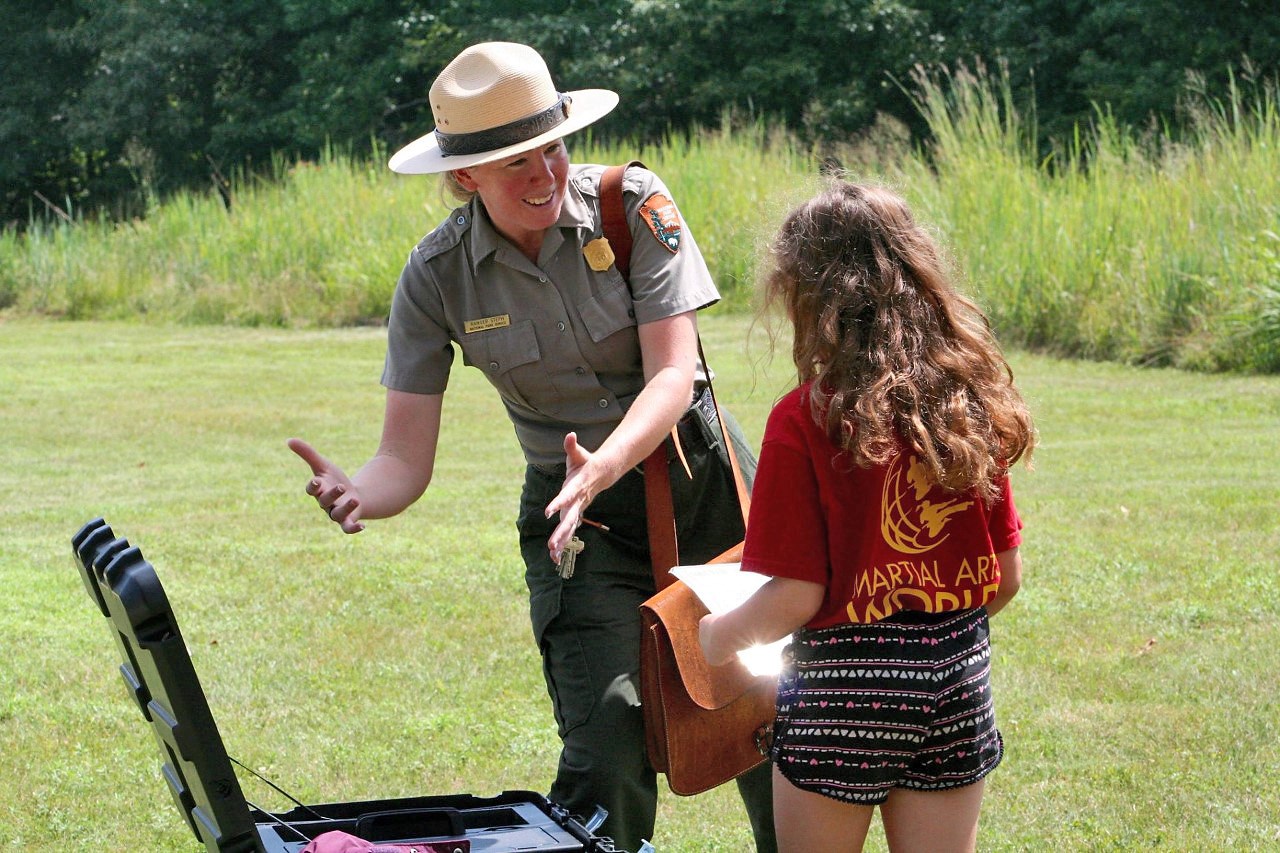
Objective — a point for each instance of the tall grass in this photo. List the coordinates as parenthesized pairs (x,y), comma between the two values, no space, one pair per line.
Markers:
(731,185)
(1127,246)
(1135,248)
(316,245)
(323,243)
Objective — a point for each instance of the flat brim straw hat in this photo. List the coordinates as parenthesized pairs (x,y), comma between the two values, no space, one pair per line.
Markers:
(495,100)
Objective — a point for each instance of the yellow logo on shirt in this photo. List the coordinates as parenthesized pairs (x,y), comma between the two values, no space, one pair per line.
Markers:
(484,324)
(909,523)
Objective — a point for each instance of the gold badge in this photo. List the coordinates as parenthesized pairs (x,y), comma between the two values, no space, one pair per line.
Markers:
(599,254)
(484,324)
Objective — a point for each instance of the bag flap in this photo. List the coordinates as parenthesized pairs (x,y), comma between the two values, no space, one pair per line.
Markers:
(678,610)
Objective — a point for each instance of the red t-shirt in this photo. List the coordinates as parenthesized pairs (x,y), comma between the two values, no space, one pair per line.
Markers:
(880,539)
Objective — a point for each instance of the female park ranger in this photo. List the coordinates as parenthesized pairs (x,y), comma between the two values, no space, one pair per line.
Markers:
(594,371)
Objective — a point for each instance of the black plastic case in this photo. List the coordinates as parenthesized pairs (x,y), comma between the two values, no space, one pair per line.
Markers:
(159,675)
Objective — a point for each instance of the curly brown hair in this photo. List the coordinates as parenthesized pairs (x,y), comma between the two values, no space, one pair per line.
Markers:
(898,357)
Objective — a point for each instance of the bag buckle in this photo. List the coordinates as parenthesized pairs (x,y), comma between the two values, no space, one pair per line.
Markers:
(764,739)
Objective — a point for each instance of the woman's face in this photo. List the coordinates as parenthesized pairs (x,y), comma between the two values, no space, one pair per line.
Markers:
(522,194)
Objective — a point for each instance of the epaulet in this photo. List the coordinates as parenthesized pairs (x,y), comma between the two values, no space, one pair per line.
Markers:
(447,235)
(588,179)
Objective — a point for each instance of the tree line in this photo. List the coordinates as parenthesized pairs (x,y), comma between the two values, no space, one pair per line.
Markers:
(109,104)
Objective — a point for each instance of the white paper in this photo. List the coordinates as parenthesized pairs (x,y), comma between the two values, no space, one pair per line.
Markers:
(722,587)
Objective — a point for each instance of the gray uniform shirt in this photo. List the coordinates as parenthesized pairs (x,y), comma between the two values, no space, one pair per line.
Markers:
(557,338)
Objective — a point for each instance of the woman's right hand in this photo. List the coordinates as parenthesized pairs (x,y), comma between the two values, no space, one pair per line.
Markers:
(331,487)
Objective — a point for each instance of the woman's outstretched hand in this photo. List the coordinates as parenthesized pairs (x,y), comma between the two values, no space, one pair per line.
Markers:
(576,494)
(331,487)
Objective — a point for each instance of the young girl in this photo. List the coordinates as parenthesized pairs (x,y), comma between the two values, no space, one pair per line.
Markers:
(883,515)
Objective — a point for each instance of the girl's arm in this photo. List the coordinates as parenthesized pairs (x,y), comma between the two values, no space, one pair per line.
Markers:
(1010,580)
(775,610)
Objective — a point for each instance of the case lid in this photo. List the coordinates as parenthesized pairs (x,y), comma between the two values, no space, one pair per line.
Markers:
(159,675)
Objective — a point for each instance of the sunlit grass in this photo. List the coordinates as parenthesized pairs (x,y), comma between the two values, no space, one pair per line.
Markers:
(1136,673)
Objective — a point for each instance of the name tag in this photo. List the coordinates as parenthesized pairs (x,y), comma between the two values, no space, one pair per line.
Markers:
(484,324)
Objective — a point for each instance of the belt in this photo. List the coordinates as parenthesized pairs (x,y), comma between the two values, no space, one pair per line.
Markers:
(703,405)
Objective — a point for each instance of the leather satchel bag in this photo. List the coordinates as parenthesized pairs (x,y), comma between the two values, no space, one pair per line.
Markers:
(704,725)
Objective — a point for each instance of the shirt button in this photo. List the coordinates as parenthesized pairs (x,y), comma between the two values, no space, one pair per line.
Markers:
(493,365)
(542,278)
(560,325)
(631,313)
(461,220)
(604,404)
(581,371)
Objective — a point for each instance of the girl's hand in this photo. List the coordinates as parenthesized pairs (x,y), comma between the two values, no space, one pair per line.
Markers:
(331,487)
(773,611)
(708,638)
(575,495)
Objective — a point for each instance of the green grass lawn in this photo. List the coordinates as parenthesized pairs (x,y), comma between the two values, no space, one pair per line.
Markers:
(1136,674)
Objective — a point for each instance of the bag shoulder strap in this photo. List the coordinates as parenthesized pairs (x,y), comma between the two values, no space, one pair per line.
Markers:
(657,482)
(613,216)
(663,550)
(744,496)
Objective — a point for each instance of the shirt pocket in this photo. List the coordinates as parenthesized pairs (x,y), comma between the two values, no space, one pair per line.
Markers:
(500,353)
(609,312)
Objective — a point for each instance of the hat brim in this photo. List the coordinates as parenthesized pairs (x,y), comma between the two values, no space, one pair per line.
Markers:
(423,156)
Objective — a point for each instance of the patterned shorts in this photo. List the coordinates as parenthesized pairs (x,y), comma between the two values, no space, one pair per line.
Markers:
(902,703)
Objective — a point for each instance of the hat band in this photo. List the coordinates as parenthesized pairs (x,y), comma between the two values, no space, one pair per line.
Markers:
(521,130)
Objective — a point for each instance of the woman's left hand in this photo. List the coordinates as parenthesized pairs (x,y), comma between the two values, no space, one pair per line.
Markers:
(669,350)
(575,495)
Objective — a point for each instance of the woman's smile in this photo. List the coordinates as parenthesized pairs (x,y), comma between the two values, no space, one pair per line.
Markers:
(522,194)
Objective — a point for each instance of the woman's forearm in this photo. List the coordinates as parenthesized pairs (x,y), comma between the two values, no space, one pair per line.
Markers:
(387,486)
(654,413)
(400,471)
(670,351)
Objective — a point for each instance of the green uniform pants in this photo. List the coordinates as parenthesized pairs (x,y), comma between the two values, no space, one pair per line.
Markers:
(588,629)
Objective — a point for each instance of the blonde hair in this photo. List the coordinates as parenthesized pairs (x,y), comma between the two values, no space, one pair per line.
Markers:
(897,356)
(450,187)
